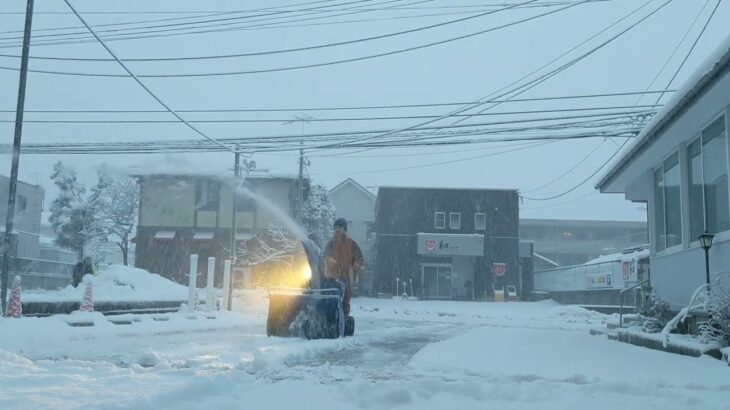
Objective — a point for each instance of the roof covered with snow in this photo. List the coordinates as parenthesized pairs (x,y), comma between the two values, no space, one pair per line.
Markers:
(698,83)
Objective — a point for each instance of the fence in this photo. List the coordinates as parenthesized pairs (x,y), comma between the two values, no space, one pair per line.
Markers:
(41,274)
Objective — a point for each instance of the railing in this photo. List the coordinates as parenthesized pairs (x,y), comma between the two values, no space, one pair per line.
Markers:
(621,306)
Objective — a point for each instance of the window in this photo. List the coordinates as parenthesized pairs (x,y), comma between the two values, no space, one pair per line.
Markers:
(480,221)
(659,209)
(439,220)
(696,190)
(455,220)
(708,184)
(668,204)
(714,171)
(206,195)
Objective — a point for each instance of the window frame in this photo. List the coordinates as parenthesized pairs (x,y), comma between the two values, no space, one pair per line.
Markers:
(435,220)
(476,225)
(682,205)
(451,224)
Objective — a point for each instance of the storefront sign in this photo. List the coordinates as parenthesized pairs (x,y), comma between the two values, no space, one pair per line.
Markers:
(499,269)
(598,280)
(450,244)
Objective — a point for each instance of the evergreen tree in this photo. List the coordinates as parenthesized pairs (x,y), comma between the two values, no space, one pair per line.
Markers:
(318,215)
(68,213)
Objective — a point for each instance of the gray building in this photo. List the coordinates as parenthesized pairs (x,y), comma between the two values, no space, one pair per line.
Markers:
(36,261)
(678,165)
(573,242)
(451,243)
(356,204)
(27,221)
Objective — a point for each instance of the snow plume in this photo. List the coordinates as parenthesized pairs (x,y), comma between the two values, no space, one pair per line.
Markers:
(265,203)
(318,215)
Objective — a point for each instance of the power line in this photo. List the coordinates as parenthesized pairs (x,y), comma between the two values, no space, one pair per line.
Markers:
(699,36)
(209,13)
(526,87)
(342,119)
(73,38)
(540,79)
(141,84)
(552,181)
(306,66)
(290,50)
(347,108)
(433,164)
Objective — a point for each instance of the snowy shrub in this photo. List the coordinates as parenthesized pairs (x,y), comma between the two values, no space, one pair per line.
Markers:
(656,313)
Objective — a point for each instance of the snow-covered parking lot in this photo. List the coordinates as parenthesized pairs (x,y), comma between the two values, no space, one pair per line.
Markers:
(405,355)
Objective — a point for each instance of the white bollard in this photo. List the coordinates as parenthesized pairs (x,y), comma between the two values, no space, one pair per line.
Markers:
(209,290)
(193,282)
(226,284)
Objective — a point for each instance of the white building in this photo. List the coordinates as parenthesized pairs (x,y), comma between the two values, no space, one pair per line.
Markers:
(356,204)
(678,165)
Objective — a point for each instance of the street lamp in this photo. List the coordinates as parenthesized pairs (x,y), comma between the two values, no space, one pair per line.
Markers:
(706,243)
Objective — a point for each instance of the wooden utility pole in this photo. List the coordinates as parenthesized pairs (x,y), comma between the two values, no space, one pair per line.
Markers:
(8,242)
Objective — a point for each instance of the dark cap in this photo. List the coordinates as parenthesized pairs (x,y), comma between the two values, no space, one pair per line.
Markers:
(341,222)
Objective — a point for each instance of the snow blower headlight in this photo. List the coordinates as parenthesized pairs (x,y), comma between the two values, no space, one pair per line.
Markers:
(307,272)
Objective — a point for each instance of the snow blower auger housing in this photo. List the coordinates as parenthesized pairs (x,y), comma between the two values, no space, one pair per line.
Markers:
(312,312)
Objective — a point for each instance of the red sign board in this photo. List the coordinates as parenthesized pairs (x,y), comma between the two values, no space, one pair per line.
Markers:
(430,245)
(499,269)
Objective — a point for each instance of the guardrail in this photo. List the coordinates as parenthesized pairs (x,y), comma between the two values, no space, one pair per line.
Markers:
(621,306)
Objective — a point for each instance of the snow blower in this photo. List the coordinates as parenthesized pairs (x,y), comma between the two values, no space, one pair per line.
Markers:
(313,311)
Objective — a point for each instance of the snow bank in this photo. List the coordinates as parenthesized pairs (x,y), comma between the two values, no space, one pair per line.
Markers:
(116,283)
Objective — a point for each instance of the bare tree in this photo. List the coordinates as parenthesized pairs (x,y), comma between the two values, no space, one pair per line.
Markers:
(271,253)
(121,201)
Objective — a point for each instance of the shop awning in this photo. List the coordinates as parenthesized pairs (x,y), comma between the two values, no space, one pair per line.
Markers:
(203,236)
(243,236)
(165,235)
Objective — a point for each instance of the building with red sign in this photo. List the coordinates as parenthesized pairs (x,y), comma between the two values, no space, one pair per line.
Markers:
(449,243)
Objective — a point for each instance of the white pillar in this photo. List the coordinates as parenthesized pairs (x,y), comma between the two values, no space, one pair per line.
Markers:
(192,284)
(210,292)
(226,283)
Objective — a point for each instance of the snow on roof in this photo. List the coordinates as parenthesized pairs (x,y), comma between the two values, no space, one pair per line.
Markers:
(620,256)
(350,181)
(715,63)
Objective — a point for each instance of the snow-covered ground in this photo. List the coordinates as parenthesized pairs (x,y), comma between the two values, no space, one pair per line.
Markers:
(405,355)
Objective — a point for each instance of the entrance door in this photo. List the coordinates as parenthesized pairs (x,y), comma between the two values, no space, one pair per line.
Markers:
(436,280)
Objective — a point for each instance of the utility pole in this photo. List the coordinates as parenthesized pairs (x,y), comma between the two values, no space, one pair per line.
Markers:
(16,154)
(300,196)
(234,221)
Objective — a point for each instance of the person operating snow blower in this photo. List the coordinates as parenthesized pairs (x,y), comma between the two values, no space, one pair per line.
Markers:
(343,264)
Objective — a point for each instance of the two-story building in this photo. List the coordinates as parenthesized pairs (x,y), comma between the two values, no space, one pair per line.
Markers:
(181,215)
(27,221)
(679,166)
(356,204)
(446,243)
(36,261)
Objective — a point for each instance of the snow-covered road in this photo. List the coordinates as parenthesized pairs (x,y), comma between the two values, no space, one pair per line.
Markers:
(405,355)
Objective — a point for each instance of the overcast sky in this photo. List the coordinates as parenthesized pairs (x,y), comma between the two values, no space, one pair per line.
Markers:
(459,71)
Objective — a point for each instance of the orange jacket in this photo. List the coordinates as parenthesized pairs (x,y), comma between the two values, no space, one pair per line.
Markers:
(341,256)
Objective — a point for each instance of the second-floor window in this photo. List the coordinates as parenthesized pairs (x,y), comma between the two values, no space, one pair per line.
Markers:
(206,195)
(455,220)
(480,221)
(439,220)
